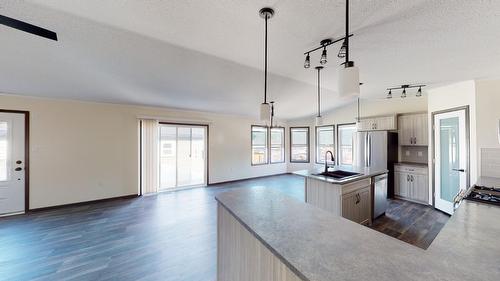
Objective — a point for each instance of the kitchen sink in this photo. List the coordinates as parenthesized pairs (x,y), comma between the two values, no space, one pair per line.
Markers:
(338,174)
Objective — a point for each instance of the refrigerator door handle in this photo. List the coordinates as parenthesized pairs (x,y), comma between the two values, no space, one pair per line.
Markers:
(366,150)
(369,151)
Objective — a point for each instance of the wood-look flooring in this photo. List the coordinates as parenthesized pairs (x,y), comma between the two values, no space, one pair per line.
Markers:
(169,236)
(411,222)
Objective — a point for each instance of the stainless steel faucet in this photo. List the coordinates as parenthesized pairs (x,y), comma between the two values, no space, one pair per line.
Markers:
(326,157)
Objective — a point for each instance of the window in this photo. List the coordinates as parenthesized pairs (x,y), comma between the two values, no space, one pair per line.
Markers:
(325,136)
(259,145)
(346,134)
(277,145)
(299,144)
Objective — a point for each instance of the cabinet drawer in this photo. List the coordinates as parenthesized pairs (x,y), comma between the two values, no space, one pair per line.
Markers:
(411,169)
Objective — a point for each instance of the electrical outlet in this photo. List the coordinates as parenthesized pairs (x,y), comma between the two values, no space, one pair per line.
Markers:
(407,153)
(420,154)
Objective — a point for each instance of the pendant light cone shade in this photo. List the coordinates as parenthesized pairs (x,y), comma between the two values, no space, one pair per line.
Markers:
(319,120)
(265,112)
(349,81)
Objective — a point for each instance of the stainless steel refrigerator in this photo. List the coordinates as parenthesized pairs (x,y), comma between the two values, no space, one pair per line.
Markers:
(377,149)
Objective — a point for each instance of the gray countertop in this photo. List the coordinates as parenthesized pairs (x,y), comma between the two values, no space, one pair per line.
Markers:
(365,172)
(318,245)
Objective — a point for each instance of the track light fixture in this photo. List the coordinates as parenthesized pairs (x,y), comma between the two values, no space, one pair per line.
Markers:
(323,45)
(307,62)
(404,87)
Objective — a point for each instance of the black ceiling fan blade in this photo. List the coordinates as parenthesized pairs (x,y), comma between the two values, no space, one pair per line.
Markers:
(24,26)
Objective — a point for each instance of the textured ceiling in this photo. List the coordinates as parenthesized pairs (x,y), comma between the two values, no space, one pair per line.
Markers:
(208,55)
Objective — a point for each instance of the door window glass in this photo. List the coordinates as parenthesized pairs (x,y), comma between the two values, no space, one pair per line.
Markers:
(450,158)
(3,151)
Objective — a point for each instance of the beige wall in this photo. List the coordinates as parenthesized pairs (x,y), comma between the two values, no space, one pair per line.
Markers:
(84,151)
(348,114)
(488,115)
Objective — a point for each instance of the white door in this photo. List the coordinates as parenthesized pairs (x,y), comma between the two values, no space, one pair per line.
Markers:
(12,173)
(451,159)
(183,156)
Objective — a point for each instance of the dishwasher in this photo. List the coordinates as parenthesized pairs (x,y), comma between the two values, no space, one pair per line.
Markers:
(379,195)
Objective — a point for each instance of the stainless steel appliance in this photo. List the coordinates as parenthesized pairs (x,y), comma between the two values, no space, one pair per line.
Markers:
(377,150)
(379,190)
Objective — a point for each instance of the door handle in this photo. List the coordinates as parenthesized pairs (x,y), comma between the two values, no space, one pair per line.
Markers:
(459,170)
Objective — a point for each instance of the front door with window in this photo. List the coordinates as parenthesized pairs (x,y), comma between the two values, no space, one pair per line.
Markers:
(183,156)
(12,174)
(451,157)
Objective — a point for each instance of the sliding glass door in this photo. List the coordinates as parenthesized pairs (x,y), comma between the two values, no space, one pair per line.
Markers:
(183,156)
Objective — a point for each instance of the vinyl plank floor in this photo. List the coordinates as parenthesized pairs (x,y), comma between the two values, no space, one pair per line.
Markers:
(169,236)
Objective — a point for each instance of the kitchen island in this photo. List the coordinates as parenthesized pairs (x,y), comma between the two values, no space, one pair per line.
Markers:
(266,235)
(350,197)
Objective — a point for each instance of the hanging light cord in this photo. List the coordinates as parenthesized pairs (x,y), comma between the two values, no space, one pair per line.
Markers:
(347,33)
(319,94)
(265,63)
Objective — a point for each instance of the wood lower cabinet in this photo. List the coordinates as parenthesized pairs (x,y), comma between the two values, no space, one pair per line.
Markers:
(356,206)
(351,201)
(411,183)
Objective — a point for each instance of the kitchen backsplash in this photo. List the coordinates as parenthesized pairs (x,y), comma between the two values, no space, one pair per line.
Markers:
(490,162)
(414,154)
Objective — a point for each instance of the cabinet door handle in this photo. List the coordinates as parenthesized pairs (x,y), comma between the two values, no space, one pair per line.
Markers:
(411,178)
(358,198)
(407,177)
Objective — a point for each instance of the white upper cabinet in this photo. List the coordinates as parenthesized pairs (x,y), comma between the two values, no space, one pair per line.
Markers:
(413,130)
(381,123)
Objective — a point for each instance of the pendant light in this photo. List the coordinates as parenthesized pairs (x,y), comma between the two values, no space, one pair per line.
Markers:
(265,108)
(319,119)
(349,74)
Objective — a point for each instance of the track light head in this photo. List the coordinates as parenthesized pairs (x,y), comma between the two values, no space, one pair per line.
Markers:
(342,51)
(403,94)
(389,95)
(307,62)
(323,59)
(419,92)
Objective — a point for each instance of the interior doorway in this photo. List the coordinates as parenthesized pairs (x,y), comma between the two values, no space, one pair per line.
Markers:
(14,155)
(451,156)
(183,156)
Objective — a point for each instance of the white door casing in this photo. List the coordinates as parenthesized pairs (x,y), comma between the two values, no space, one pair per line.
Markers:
(12,166)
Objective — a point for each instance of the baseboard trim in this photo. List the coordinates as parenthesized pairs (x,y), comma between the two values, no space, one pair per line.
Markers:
(244,179)
(124,197)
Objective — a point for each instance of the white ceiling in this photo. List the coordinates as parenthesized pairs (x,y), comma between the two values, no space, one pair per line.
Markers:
(208,55)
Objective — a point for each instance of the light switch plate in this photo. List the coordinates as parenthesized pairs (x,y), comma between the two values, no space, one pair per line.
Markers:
(407,153)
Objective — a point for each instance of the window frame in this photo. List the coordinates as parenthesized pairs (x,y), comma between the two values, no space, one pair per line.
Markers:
(316,146)
(266,148)
(308,144)
(338,142)
(283,142)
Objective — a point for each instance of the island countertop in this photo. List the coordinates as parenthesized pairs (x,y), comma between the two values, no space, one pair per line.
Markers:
(365,172)
(317,245)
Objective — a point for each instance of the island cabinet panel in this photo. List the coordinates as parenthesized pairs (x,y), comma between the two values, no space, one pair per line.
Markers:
(242,257)
(356,206)
(324,195)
